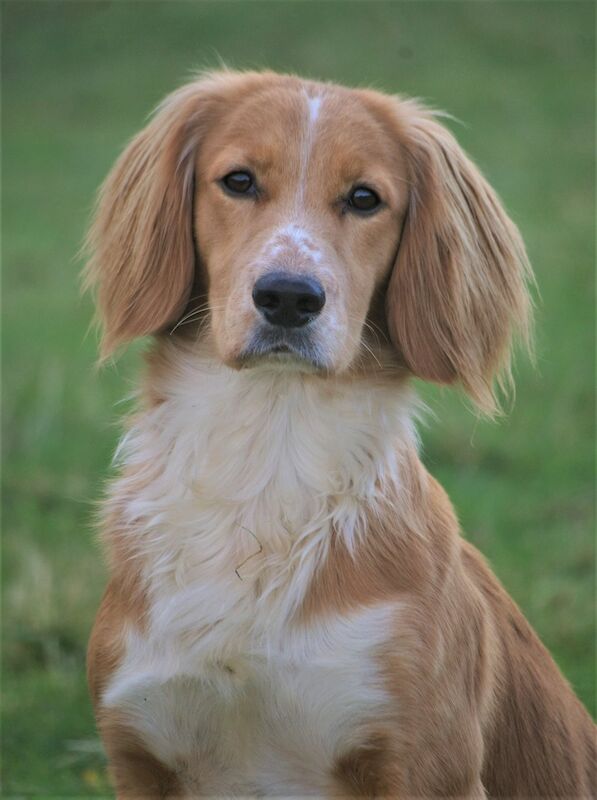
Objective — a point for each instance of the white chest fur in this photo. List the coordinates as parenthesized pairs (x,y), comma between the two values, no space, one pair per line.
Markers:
(266,718)
(244,476)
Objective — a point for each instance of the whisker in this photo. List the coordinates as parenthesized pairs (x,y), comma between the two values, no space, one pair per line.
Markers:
(374,327)
(189,317)
(189,321)
(370,350)
(373,333)
(186,318)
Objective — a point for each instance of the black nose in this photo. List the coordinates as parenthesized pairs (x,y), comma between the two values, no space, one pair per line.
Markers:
(288,300)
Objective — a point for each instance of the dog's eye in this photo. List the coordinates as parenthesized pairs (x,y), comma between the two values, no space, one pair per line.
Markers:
(363,199)
(239,182)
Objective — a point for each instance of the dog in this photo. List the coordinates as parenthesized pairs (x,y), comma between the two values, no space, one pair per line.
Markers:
(291,609)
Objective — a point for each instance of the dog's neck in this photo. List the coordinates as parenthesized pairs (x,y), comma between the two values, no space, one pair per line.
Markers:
(252,470)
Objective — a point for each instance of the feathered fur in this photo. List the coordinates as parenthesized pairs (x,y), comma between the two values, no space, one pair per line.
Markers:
(291,609)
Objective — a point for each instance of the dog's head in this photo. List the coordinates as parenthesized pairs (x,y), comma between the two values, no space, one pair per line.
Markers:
(323,227)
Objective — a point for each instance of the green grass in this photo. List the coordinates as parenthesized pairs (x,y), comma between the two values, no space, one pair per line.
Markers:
(78,80)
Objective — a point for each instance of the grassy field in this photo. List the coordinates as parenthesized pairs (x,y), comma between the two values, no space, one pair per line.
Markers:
(78,79)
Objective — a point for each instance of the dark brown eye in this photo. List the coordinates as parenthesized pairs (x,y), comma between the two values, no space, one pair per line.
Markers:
(238,182)
(363,199)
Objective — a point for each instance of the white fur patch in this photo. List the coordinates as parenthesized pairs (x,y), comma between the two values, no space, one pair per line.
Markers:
(245,475)
(290,240)
(265,719)
(314,106)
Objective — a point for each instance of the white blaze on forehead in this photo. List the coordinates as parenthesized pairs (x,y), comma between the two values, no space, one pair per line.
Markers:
(314,106)
(292,239)
(313,109)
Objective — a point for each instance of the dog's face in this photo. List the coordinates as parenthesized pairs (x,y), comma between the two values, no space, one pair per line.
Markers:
(300,216)
(300,195)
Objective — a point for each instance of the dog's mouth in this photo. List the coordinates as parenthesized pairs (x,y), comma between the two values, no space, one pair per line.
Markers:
(284,347)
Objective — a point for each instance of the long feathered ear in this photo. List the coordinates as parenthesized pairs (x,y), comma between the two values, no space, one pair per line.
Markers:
(140,245)
(458,290)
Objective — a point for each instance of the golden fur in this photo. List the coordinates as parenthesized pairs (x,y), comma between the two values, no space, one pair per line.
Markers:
(294,493)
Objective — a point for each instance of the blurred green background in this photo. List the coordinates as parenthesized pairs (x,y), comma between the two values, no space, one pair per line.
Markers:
(78,80)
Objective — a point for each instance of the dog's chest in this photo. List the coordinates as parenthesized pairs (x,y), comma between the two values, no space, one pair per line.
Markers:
(248,713)
(226,686)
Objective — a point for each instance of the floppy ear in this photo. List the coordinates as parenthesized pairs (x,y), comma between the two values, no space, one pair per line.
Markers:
(142,253)
(457,292)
